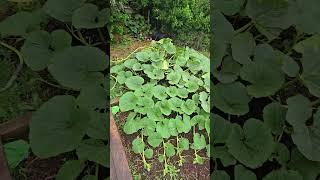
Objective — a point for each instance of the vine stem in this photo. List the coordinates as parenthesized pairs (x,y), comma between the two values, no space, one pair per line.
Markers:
(54,85)
(80,38)
(315,102)
(243,28)
(290,82)
(114,83)
(102,37)
(146,164)
(179,152)
(97,170)
(19,68)
(280,136)
(165,159)
(119,61)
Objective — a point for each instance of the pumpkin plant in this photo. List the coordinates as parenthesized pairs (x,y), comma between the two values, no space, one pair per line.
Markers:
(165,90)
(265,62)
(75,121)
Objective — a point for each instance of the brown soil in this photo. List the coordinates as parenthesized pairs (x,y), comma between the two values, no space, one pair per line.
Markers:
(188,171)
(122,50)
(34,168)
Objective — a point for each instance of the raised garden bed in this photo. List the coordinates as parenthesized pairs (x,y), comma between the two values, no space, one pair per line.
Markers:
(163,119)
(119,168)
(12,130)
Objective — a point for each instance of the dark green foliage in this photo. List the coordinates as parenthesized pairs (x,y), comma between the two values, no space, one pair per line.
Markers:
(266,69)
(61,45)
(187,20)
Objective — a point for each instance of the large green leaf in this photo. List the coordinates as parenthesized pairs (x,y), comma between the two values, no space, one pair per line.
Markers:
(311,70)
(252,145)
(70,170)
(148,153)
(162,129)
(274,116)
(312,42)
(94,150)
(138,145)
(143,56)
(223,34)
(182,92)
(229,72)
(172,91)
(221,152)
(283,175)
(134,82)
(241,173)
(305,136)
(170,149)
(191,85)
(174,77)
(19,24)
(231,98)
(199,142)
(144,105)
(299,110)
(183,143)
(221,175)
(221,129)
(156,74)
(88,16)
(145,91)
(281,154)
(264,74)
(62,10)
(92,97)
(78,67)
(229,7)
(289,66)
(183,125)
(160,92)
(98,127)
(242,47)
(308,169)
(300,10)
(16,152)
(132,124)
(165,107)
(188,107)
(270,17)
(56,120)
(36,50)
(128,101)
(154,139)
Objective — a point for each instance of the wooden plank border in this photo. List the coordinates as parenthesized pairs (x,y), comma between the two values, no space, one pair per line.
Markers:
(119,163)
(14,129)
(4,170)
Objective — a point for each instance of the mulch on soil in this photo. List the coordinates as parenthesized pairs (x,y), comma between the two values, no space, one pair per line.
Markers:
(34,168)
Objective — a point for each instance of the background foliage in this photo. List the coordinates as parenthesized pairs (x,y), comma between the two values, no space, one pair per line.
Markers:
(187,21)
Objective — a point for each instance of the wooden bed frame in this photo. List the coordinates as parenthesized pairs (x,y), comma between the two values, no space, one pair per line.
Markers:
(14,129)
